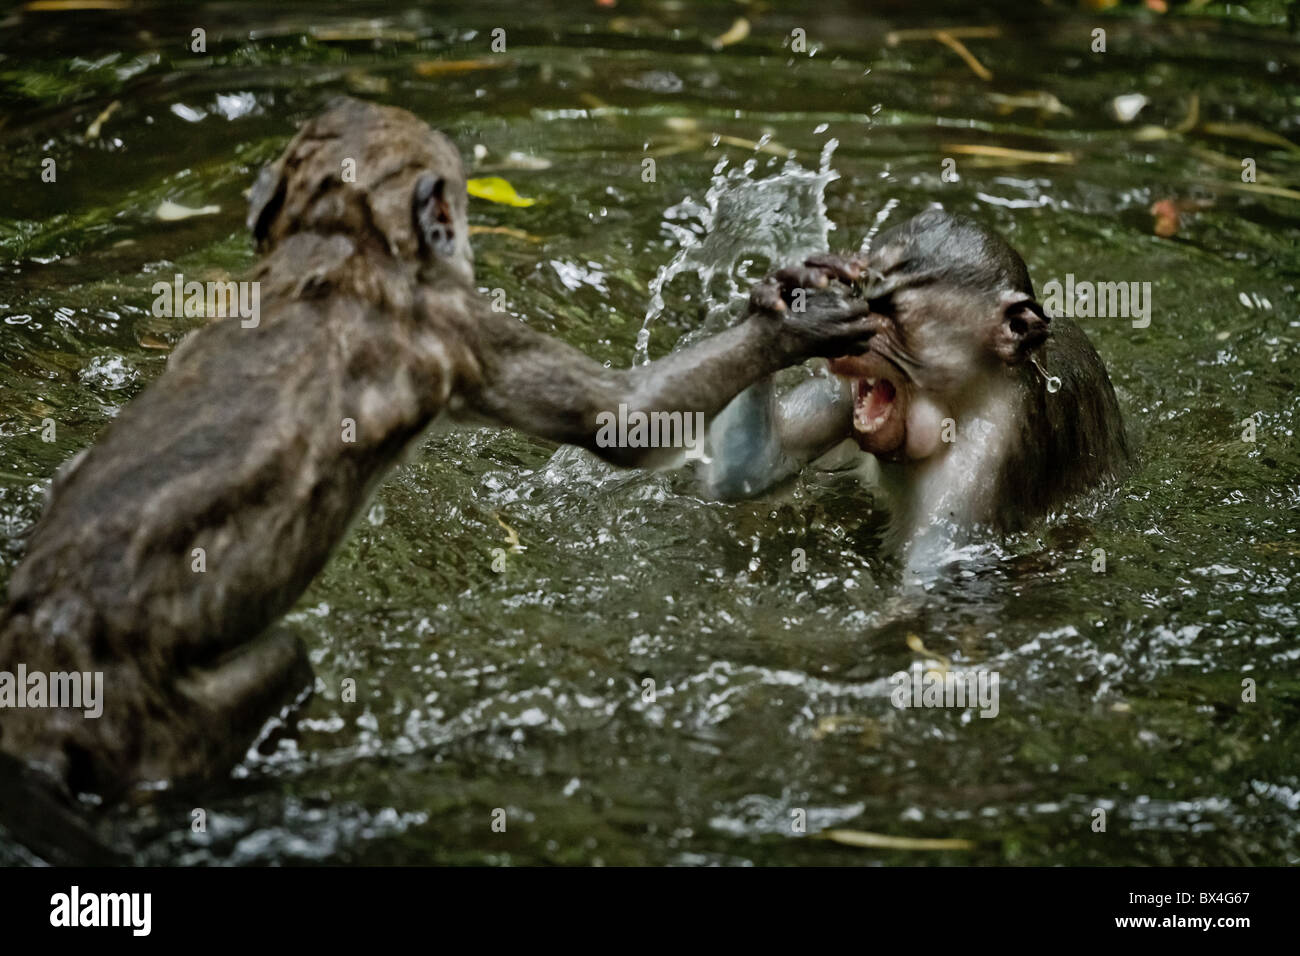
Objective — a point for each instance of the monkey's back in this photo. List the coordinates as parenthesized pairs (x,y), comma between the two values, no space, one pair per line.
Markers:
(204,511)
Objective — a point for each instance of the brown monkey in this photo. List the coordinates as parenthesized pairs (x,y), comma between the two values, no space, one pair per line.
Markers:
(210,503)
(951,396)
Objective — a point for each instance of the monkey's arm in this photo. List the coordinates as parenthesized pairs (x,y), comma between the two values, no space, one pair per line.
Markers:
(759,440)
(547,388)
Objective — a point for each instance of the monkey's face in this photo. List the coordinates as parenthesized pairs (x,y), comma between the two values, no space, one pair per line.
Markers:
(959,312)
(375,174)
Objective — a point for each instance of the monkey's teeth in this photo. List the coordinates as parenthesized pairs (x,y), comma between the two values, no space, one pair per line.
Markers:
(873,403)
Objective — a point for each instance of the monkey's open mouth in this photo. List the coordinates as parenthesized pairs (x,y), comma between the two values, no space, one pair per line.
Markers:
(873,403)
(879,402)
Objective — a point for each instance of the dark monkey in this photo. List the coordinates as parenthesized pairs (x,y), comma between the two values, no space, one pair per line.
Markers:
(947,396)
(259,445)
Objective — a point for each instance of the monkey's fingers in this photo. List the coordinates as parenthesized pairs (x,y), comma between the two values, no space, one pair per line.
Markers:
(801,277)
(766,296)
(846,268)
(776,292)
(846,330)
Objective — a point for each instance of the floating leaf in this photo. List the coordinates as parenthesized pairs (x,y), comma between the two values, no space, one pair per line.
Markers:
(512,160)
(153,342)
(895,37)
(55,6)
(954,44)
(503,231)
(512,536)
(172,211)
(881,841)
(361,31)
(496,189)
(93,131)
(1249,132)
(1278,191)
(1166,215)
(1039,100)
(359,81)
(444,67)
(918,646)
(739,30)
(771,146)
(1005,155)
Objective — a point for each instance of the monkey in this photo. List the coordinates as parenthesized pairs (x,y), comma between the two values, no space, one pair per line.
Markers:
(168,548)
(983,412)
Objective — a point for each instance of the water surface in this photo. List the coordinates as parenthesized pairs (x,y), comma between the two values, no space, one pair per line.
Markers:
(523,690)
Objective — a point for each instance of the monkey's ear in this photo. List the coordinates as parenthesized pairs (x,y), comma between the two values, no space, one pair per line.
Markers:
(431,212)
(1023,326)
(264,201)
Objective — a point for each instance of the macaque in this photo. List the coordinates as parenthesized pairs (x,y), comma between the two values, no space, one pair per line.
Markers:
(982,411)
(168,548)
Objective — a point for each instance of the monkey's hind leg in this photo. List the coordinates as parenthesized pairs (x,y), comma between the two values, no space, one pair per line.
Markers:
(235,695)
(40,816)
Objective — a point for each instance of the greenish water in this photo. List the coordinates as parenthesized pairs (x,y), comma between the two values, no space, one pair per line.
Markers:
(523,690)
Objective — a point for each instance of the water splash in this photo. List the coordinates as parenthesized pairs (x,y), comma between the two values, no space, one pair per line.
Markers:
(777,219)
(885,212)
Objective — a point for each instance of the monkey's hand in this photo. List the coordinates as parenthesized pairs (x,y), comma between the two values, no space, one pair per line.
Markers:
(812,310)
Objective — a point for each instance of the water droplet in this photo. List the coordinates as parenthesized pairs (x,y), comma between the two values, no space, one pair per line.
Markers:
(1052,382)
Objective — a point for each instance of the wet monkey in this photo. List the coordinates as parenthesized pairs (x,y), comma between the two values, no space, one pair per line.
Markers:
(982,411)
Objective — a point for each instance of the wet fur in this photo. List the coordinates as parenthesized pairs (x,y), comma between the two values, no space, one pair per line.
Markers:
(237,449)
(1019,453)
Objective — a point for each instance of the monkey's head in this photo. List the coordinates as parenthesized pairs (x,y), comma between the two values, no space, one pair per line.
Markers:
(959,312)
(372,173)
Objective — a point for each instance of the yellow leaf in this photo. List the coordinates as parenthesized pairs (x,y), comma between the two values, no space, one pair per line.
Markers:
(882,841)
(496,189)
(46,6)
(445,67)
(1010,156)
(512,536)
(94,129)
(1250,132)
(739,30)
(475,230)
